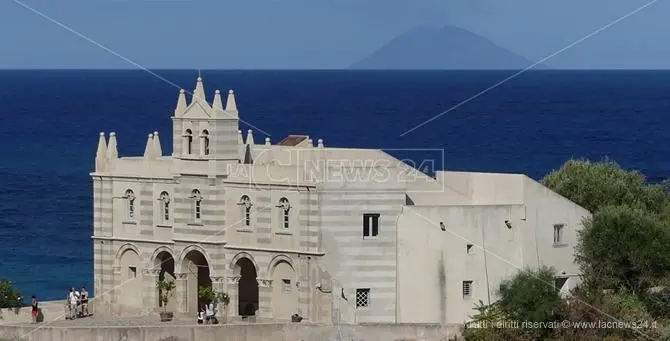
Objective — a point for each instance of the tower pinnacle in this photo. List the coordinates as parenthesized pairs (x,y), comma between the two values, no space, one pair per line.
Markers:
(101,153)
(231,105)
(181,104)
(112,151)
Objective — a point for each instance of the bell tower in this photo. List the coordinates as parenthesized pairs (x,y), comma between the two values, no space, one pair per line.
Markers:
(203,131)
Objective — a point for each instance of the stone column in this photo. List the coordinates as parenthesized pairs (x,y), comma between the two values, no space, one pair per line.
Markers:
(264,298)
(234,295)
(181,292)
(219,286)
(150,294)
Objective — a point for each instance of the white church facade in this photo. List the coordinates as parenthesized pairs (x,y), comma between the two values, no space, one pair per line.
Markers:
(334,234)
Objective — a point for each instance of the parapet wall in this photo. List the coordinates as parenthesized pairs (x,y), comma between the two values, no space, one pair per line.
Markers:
(246,332)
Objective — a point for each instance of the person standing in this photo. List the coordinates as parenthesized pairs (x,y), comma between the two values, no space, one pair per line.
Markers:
(84,301)
(209,313)
(36,308)
(72,304)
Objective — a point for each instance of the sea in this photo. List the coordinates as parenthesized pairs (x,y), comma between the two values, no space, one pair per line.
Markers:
(476,121)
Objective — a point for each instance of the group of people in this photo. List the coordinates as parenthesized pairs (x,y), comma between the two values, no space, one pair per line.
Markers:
(77,303)
(207,314)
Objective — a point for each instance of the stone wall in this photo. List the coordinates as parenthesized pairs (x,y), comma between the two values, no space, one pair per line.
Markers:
(50,310)
(248,332)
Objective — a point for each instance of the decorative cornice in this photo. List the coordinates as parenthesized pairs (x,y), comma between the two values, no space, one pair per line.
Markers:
(218,279)
(251,248)
(181,276)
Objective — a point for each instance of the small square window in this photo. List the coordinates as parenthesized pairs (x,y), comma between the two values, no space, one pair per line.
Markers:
(467,289)
(132,272)
(370,225)
(362,298)
(468,249)
(558,233)
(287,286)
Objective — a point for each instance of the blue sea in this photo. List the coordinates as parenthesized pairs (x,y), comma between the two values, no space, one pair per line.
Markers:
(50,121)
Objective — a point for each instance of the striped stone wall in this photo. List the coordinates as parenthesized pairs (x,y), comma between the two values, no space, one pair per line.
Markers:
(355,262)
(212,224)
(224,139)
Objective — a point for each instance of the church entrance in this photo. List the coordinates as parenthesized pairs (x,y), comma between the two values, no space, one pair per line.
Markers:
(247,288)
(165,263)
(196,268)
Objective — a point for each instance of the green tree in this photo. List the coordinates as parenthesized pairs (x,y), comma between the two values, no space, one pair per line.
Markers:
(9,296)
(529,296)
(624,247)
(594,185)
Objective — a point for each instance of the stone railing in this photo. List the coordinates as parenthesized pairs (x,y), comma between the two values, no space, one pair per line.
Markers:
(49,311)
(241,332)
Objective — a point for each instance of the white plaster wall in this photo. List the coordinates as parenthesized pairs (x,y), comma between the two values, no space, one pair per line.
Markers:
(544,208)
(432,264)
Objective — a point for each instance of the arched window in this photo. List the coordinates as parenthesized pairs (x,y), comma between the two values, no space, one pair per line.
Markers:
(284,207)
(245,202)
(130,204)
(197,204)
(165,206)
(188,141)
(205,142)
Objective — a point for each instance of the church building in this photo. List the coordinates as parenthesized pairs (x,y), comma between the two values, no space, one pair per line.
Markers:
(337,235)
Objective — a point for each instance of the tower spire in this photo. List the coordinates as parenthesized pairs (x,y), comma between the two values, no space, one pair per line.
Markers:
(231,105)
(101,153)
(157,150)
(199,92)
(112,151)
(240,138)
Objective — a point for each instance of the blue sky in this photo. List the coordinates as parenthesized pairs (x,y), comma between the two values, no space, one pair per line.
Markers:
(233,34)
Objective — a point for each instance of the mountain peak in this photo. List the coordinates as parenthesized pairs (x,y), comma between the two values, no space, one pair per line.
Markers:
(448,47)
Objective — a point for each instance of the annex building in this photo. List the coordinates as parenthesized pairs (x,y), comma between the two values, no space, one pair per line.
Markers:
(335,234)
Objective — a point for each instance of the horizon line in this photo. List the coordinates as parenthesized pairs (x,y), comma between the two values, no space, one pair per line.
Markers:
(319,69)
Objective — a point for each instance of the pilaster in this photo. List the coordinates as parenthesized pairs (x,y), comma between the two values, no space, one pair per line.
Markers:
(150,297)
(264,297)
(181,292)
(233,291)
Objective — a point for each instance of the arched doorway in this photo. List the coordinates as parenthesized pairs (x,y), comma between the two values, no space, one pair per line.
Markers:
(284,291)
(196,268)
(247,287)
(165,263)
(130,283)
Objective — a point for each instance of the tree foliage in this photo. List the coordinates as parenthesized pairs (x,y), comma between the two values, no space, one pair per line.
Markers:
(624,247)
(624,255)
(10,297)
(594,185)
(530,295)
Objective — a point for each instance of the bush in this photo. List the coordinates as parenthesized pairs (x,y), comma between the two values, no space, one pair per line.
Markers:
(9,296)
(624,247)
